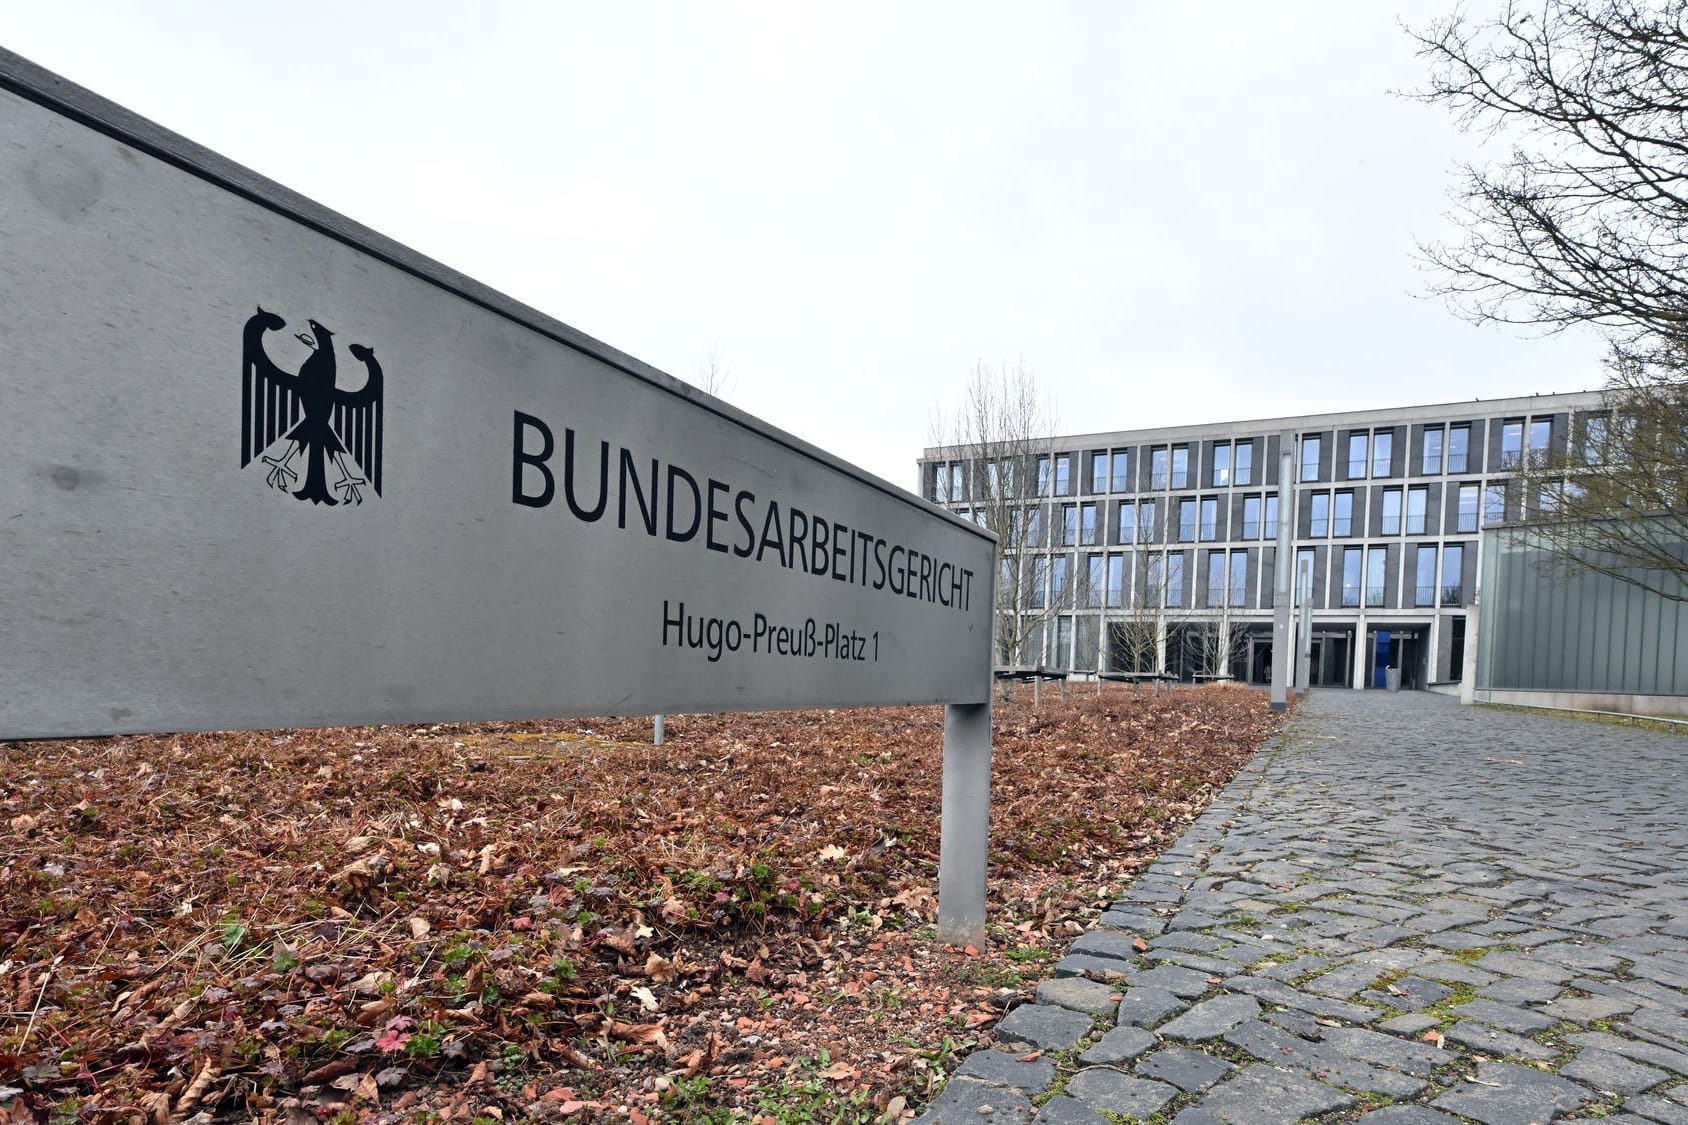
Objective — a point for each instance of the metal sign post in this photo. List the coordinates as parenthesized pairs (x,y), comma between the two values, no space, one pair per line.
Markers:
(1282,578)
(262,467)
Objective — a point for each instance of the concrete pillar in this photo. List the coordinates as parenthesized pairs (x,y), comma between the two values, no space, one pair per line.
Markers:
(964,832)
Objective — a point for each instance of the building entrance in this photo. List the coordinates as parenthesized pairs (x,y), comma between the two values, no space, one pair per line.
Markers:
(1396,658)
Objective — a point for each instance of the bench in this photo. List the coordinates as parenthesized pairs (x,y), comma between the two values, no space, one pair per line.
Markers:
(1033,675)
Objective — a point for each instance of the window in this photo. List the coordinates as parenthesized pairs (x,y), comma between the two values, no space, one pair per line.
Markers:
(1043,476)
(1459,443)
(1511,444)
(1391,511)
(1087,525)
(1186,521)
(1243,471)
(1210,519)
(1431,462)
(1069,524)
(1157,468)
(1099,471)
(1271,529)
(1494,505)
(1215,579)
(1541,429)
(1318,524)
(1094,581)
(1146,521)
(1037,579)
(1351,560)
(1001,477)
(1467,508)
(1222,464)
(1547,497)
(1063,474)
(1456,649)
(1127,523)
(1594,441)
(940,482)
(1453,581)
(1357,456)
(1383,453)
(1060,591)
(1034,526)
(1175,579)
(1417,501)
(1239,578)
(1062,657)
(1424,593)
(1180,466)
(1310,458)
(1120,479)
(1342,523)
(1303,577)
(1376,559)
(1154,580)
(1251,517)
(1116,582)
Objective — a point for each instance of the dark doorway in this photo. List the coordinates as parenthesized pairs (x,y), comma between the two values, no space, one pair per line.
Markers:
(1397,659)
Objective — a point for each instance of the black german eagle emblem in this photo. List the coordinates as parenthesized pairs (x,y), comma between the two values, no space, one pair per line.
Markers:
(307,423)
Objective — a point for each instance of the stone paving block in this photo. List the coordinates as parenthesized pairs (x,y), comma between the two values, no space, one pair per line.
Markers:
(1044,1026)
(1503,1016)
(1276,992)
(1521,965)
(1577,955)
(1107,943)
(1203,963)
(1319,1060)
(966,1102)
(1505,1094)
(1456,941)
(1062,1110)
(1147,1006)
(1191,1071)
(1410,1024)
(1304,1024)
(1139,924)
(1455,972)
(1300,967)
(1081,995)
(1190,943)
(1374,1047)
(1119,1045)
(1655,1108)
(1517,990)
(1188,983)
(1003,1069)
(1109,1091)
(1085,964)
(1263,1095)
(1408,994)
(1408,1115)
(1211,1018)
(1674,1061)
(1611,1073)
(1494,1041)
(1665,1023)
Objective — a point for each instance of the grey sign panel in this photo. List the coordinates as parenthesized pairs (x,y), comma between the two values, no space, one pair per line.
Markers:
(259,467)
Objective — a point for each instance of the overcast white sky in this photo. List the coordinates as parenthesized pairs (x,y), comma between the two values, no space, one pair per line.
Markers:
(1171,213)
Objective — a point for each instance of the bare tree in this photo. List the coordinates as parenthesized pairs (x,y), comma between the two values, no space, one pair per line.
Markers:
(1584,221)
(993,455)
(711,373)
(1138,631)
(1615,498)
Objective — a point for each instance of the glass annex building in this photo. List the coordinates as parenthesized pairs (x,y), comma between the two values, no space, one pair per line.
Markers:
(1155,550)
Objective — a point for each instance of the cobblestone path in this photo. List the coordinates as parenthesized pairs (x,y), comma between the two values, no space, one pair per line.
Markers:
(1403,910)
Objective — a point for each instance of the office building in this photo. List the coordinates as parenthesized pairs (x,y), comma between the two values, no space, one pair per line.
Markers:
(1156,549)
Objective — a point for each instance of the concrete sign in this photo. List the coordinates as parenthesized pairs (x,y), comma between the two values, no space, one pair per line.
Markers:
(261,467)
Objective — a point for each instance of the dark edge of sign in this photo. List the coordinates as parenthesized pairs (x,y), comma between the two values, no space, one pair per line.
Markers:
(37,84)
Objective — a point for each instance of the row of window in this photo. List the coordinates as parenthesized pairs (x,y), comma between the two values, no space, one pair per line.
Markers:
(1330,515)
(1370,454)
(1103,581)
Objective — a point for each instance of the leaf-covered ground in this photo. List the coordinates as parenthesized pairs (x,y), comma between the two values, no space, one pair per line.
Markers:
(557,920)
